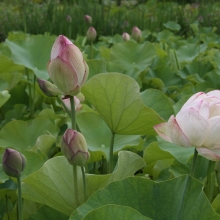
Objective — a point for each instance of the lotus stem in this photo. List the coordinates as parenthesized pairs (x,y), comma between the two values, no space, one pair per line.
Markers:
(73,112)
(84,182)
(64,106)
(210,182)
(111,151)
(192,172)
(20,211)
(75,178)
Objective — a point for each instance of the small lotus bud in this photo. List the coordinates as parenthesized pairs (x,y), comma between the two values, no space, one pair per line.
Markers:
(66,100)
(136,34)
(74,147)
(13,162)
(126,36)
(67,67)
(69,19)
(91,34)
(88,19)
(48,88)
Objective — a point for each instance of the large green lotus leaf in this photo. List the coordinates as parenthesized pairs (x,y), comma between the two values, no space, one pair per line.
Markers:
(33,52)
(154,156)
(3,84)
(131,55)
(7,65)
(173,26)
(98,136)
(158,101)
(179,198)
(21,134)
(53,184)
(4,97)
(12,78)
(117,99)
(119,212)
(189,52)
(182,154)
(96,67)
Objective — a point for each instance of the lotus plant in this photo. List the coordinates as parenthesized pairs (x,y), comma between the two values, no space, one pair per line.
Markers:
(67,67)
(196,124)
(126,36)
(88,19)
(91,34)
(136,33)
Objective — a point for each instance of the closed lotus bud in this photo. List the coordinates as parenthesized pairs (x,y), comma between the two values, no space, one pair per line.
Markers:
(136,33)
(67,67)
(48,88)
(88,19)
(13,162)
(66,101)
(74,147)
(69,19)
(126,36)
(91,34)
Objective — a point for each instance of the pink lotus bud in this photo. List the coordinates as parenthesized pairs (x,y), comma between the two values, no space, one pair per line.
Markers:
(197,124)
(136,34)
(74,147)
(78,105)
(69,19)
(126,36)
(13,162)
(48,88)
(67,67)
(88,19)
(91,34)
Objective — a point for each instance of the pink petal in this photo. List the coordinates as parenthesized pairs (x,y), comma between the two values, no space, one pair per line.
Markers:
(73,56)
(198,95)
(62,75)
(215,93)
(209,154)
(163,131)
(176,133)
(213,137)
(58,46)
(193,125)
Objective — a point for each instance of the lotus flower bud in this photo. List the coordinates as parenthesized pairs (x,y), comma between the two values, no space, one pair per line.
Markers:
(88,19)
(126,36)
(69,19)
(74,147)
(136,34)
(67,68)
(48,88)
(91,34)
(13,162)
(78,105)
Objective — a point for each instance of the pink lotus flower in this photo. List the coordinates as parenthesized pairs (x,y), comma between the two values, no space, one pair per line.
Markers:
(196,124)
(136,33)
(67,68)
(88,19)
(91,34)
(126,36)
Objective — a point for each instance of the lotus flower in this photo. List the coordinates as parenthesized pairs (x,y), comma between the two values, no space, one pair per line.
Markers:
(78,106)
(136,33)
(126,36)
(13,162)
(67,68)
(74,147)
(91,34)
(196,124)
(88,19)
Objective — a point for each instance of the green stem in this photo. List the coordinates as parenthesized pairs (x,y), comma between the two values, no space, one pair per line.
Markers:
(7,208)
(33,98)
(91,46)
(75,185)
(29,89)
(64,106)
(20,212)
(73,113)
(84,183)
(111,161)
(218,180)
(210,182)
(192,171)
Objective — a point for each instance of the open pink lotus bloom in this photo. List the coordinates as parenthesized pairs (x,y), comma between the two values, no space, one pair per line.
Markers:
(196,124)
(67,68)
